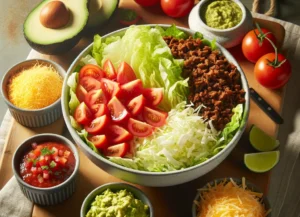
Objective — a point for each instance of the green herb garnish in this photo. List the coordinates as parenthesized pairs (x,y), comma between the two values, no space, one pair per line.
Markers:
(46,151)
(45,167)
(52,164)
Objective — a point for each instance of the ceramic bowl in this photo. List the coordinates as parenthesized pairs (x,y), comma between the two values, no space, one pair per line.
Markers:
(37,117)
(52,195)
(115,187)
(238,181)
(153,178)
(226,37)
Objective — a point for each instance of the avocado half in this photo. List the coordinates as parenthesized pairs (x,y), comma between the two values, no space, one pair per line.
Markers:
(100,11)
(56,41)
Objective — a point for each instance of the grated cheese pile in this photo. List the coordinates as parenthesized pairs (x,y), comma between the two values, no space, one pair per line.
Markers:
(227,199)
(35,88)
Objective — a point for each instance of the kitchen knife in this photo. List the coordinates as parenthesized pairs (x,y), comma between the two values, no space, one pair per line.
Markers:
(265,107)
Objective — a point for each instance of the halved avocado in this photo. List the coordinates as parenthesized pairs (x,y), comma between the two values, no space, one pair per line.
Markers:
(101,11)
(49,40)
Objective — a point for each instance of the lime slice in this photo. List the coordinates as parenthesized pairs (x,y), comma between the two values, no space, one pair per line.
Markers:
(261,162)
(262,141)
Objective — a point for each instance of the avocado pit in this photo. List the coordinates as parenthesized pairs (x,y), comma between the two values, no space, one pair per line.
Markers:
(54,15)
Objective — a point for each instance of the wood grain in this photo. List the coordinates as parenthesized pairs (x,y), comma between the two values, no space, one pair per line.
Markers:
(175,201)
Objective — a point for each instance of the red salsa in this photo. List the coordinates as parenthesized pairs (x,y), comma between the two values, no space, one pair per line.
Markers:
(48,164)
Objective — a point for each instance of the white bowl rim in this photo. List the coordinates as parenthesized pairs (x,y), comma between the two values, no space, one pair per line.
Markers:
(83,145)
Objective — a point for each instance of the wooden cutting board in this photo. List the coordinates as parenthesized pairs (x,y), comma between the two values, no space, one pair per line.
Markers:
(175,201)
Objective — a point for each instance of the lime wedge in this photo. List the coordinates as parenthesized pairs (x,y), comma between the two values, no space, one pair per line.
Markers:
(261,162)
(262,141)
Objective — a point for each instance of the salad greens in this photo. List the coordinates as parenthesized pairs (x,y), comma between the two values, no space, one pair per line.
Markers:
(182,142)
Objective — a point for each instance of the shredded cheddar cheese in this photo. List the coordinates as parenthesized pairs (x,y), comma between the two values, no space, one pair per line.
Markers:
(227,199)
(35,88)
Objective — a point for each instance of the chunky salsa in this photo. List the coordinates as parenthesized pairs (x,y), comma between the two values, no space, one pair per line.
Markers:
(48,164)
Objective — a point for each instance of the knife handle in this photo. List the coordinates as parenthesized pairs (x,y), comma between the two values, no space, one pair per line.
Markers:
(265,107)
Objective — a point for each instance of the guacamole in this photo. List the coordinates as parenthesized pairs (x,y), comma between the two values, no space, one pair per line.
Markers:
(223,14)
(117,204)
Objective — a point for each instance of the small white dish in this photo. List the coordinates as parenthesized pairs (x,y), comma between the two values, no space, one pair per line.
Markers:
(226,37)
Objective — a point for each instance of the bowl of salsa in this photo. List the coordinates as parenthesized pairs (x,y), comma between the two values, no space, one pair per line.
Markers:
(46,167)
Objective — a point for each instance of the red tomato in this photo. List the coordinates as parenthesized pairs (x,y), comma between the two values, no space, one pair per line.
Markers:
(147,3)
(255,46)
(80,93)
(118,134)
(110,88)
(117,110)
(82,114)
(97,125)
(138,128)
(154,117)
(132,89)
(109,70)
(125,73)
(177,8)
(118,150)
(136,105)
(269,76)
(95,97)
(90,83)
(91,71)
(99,109)
(100,141)
(153,96)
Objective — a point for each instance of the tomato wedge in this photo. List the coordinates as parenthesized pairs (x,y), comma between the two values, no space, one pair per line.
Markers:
(91,71)
(110,88)
(100,141)
(153,95)
(99,109)
(97,125)
(118,150)
(125,73)
(80,93)
(109,69)
(90,83)
(138,128)
(117,110)
(153,117)
(95,97)
(136,105)
(82,114)
(132,89)
(117,134)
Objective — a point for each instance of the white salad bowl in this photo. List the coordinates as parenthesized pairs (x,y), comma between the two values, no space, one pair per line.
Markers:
(154,178)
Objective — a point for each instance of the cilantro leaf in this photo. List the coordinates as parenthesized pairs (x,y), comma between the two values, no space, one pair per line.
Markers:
(44,167)
(52,164)
(46,151)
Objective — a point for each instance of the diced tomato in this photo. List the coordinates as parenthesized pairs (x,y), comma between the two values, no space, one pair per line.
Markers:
(138,128)
(40,179)
(54,151)
(46,174)
(34,170)
(80,93)
(32,155)
(136,105)
(91,71)
(153,95)
(118,150)
(82,114)
(97,125)
(42,161)
(60,153)
(39,170)
(47,159)
(99,110)
(132,89)
(118,134)
(62,161)
(109,69)
(110,88)
(66,154)
(100,141)
(125,73)
(154,117)
(95,97)
(117,110)
(28,164)
(89,83)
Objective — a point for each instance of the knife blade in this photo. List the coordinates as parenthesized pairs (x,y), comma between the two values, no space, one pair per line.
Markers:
(265,107)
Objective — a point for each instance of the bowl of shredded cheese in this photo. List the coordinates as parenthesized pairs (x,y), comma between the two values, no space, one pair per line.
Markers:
(32,91)
(230,197)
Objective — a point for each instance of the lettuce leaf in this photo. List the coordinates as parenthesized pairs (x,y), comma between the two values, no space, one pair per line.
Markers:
(84,134)
(74,102)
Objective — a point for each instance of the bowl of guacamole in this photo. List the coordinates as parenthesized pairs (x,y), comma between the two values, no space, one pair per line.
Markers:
(116,200)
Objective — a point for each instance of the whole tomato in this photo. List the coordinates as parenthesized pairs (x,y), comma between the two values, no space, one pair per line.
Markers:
(272,73)
(255,44)
(177,8)
(147,3)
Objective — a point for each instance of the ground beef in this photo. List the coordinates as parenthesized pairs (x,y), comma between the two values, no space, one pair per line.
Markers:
(213,81)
